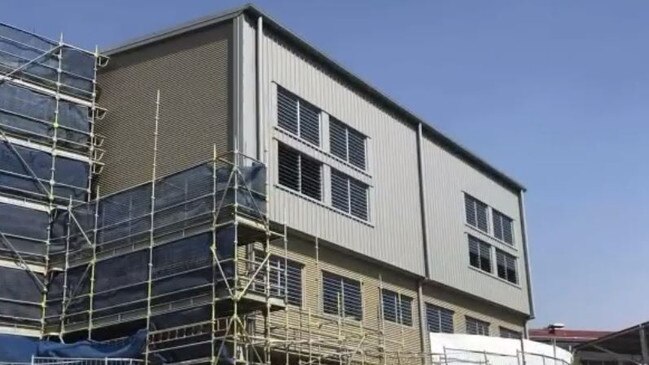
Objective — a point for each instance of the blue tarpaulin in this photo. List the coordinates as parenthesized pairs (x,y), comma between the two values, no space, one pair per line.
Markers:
(21,349)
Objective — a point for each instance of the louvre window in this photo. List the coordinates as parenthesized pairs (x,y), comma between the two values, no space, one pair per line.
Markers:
(284,274)
(396,307)
(507,333)
(438,319)
(287,274)
(476,327)
(479,254)
(347,143)
(341,296)
(503,227)
(506,265)
(299,172)
(476,213)
(349,195)
(298,117)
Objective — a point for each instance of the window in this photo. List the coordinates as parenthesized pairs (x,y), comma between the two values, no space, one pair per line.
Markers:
(507,333)
(438,319)
(298,117)
(476,213)
(476,327)
(506,266)
(341,296)
(347,143)
(503,227)
(396,307)
(299,172)
(479,254)
(349,195)
(287,274)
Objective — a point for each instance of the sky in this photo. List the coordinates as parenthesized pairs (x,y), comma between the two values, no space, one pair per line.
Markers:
(553,92)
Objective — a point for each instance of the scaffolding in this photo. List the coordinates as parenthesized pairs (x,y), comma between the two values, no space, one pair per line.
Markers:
(49,154)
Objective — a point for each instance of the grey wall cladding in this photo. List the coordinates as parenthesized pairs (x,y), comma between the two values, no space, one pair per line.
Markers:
(193,73)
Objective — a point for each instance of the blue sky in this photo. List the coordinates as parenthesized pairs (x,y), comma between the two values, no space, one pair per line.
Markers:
(554,92)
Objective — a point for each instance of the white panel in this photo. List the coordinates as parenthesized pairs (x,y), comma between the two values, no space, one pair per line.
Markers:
(394,233)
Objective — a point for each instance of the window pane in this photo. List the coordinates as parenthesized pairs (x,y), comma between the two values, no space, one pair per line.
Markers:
(353,306)
(479,254)
(337,138)
(309,123)
(288,166)
(389,299)
(356,149)
(311,173)
(287,111)
(476,327)
(331,293)
(339,191)
(469,207)
(438,319)
(481,216)
(406,310)
(358,193)
(507,333)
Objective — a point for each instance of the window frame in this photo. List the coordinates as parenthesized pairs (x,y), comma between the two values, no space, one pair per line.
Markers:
(477,203)
(502,219)
(347,130)
(505,332)
(299,171)
(479,324)
(300,104)
(400,300)
(443,325)
(507,260)
(480,246)
(277,262)
(349,189)
(343,282)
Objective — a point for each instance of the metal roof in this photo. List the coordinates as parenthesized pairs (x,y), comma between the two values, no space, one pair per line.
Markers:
(627,341)
(330,65)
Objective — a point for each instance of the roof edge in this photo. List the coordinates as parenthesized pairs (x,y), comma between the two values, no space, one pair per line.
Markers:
(334,66)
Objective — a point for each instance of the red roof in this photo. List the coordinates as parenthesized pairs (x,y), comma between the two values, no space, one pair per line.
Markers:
(566,335)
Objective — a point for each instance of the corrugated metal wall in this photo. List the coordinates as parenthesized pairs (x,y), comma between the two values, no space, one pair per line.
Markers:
(448,178)
(394,234)
(193,73)
(395,227)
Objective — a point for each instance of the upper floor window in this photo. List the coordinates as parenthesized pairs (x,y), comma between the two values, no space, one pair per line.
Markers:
(479,254)
(506,266)
(507,333)
(476,213)
(438,319)
(396,307)
(298,116)
(341,296)
(299,172)
(502,227)
(476,327)
(349,195)
(347,143)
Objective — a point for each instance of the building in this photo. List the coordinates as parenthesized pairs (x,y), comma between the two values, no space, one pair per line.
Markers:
(369,229)
(626,346)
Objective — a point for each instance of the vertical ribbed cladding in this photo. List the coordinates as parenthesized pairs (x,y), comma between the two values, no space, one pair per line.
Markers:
(48,153)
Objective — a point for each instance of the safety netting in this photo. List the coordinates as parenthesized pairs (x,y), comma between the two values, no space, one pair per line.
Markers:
(36,174)
(39,116)
(46,62)
(192,212)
